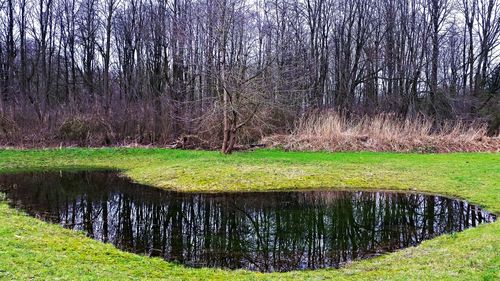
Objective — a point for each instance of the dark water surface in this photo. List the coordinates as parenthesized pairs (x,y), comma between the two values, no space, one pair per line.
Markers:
(271,231)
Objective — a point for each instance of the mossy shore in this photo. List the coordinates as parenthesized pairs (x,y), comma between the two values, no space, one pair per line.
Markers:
(32,249)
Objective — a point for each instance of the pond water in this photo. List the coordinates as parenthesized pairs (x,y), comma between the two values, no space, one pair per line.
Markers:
(262,231)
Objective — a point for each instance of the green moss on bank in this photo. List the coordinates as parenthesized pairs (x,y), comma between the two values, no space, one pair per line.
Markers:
(30,248)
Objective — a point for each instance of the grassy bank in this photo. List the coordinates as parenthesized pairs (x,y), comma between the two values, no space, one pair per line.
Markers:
(33,249)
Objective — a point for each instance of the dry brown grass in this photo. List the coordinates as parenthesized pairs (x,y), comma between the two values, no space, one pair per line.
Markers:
(384,132)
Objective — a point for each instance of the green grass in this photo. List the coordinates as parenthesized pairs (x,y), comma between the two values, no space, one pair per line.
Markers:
(31,249)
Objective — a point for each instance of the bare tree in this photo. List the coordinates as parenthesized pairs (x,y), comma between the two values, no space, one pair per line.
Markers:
(153,71)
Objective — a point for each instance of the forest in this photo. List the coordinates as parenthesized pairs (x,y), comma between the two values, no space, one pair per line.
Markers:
(219,73)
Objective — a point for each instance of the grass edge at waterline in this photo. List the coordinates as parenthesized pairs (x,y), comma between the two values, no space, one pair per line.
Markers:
(33,249)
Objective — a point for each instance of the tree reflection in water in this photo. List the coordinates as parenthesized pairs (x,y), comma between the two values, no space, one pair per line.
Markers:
(272,231)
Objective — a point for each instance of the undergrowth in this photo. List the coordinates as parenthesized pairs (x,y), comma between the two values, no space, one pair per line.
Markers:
(332,131)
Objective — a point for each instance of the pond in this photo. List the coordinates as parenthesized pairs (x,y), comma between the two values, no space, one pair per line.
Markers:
(262,231)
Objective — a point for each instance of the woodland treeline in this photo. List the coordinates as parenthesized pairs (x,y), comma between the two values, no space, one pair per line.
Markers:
(154,71)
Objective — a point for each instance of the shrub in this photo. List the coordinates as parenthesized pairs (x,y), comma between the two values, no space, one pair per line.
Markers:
(86,131)
(8,128)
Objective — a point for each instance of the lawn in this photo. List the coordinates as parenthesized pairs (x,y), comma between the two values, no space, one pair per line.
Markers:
(31,249)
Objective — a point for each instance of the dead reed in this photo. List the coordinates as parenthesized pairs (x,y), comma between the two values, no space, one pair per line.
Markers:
(332,131)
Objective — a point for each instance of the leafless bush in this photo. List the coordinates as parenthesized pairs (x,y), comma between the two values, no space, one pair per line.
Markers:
(86,130)
(385,132)
(8,128)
